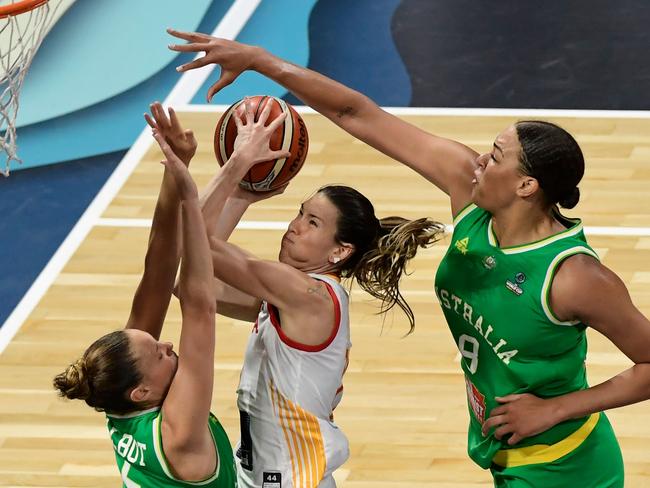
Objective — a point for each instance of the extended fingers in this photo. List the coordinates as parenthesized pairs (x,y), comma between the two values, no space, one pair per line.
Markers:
(225,79)
(173,119)
(164,147)
(276,122)
(150,121)
(265,111)
(279,154)
(192,47)
(249,111)
(189,36)
(159,114)
(197,63)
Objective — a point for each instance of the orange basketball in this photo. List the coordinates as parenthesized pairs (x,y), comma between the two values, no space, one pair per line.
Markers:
(291,136)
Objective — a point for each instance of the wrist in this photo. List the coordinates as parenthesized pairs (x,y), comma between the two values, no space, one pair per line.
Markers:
(239,162)
(258,58)
(238,202)
(560,410)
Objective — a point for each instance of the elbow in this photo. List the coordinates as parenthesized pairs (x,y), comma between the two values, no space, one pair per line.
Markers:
(198,300)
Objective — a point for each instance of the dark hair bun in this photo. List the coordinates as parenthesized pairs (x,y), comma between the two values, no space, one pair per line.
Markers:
(571,200)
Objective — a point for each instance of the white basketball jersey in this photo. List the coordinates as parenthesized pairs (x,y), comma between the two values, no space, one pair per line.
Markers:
(286,395)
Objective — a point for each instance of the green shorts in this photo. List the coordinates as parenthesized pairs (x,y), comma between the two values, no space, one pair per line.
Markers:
(595,463)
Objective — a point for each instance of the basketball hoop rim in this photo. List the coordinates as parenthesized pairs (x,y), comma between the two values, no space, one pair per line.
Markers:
(20,7)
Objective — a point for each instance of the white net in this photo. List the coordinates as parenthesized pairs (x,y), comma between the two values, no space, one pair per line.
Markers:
(20,36)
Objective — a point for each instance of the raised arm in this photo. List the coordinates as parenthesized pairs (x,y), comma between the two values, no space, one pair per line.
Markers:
(154,291)
(232,302)
(447,164)
(187,441)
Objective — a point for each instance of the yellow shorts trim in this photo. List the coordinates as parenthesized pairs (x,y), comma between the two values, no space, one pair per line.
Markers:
(544,453)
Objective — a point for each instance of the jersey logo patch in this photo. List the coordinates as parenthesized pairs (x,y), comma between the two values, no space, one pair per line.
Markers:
(513,285)
(461,245)
(476,400)
(271,479)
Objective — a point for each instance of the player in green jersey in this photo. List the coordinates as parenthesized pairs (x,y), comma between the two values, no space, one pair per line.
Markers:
(158,403)
(519,323)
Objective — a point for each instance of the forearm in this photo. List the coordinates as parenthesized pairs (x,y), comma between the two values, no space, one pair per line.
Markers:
(151,299)
(231,267)
(631,386)
(163,251)
(230,217)
(195,281)
(329,97)
(221,226)
(213,198)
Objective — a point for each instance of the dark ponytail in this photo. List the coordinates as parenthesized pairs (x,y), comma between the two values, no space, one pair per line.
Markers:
(382,247)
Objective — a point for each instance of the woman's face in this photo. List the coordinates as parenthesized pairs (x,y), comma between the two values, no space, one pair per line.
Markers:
(309,243)
(157,363)
(498,174)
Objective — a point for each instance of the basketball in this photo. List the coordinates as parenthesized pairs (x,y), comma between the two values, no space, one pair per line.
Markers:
(291,136)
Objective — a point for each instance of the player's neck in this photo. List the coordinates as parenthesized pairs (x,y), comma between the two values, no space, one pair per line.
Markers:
(520,225)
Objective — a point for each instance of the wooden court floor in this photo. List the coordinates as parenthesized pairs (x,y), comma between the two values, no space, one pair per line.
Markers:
(404,407)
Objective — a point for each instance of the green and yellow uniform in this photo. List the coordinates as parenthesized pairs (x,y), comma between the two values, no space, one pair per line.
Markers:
(140,458)
(496,302)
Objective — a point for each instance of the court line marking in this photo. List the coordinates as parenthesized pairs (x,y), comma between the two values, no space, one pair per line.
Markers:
(282,225)
(229,26)
(467,112)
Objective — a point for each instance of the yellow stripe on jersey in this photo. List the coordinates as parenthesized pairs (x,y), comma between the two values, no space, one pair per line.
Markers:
(279,412)
(544,453)
(304,441)
(286,417)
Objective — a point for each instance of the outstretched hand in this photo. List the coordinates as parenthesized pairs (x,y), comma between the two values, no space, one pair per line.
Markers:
(233,57)
(254,136)
(185,185)
(182,142)
(521,416)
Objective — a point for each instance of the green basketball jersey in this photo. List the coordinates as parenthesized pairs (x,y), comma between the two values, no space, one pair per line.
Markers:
(138,450)
(496,302)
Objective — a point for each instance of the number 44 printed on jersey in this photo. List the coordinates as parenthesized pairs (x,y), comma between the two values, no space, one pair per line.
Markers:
(271,479)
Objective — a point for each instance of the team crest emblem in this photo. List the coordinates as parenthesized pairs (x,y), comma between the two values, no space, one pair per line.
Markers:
(461,245)
(489,262)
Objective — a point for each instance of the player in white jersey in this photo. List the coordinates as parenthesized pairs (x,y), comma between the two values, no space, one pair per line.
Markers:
(291,379)
(287,393)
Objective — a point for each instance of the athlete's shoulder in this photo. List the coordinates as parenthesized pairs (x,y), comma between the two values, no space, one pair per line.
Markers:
(580,281)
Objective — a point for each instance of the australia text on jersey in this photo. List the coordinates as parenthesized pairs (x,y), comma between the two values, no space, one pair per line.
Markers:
(464,309)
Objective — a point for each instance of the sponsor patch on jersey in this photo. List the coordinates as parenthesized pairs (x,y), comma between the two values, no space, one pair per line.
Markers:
(514,288)
(476,400)
(271,479)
